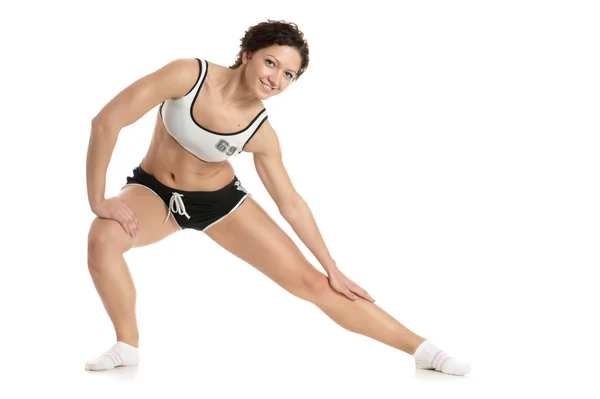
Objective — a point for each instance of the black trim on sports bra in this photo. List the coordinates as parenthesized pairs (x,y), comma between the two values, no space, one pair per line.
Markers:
(198,78)
(257,129)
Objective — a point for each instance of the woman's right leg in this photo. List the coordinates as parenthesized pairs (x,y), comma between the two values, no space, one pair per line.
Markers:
(108,241)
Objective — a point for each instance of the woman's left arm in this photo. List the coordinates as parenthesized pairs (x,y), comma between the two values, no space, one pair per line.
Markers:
(269,165)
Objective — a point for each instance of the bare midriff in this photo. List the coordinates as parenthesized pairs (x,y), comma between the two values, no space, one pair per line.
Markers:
(175,167)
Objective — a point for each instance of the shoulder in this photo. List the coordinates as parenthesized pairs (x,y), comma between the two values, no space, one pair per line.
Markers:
(181,67)
(172,79)
(183,74)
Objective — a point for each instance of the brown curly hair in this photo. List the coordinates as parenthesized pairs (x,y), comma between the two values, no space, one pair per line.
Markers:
(272,32)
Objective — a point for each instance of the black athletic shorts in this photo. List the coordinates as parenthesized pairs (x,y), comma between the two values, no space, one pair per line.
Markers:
(196,210)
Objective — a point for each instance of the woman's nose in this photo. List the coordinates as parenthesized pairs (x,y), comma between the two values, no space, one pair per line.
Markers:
(274,80)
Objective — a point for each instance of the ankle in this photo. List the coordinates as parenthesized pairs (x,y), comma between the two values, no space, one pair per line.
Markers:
(129,340)
(414,345)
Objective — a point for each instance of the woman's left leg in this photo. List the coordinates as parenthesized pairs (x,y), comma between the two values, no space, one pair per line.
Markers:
(250,234)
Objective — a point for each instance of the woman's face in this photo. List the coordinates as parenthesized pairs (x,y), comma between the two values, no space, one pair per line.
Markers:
(270,70)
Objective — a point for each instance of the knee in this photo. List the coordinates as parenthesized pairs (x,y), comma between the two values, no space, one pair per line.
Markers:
(106,237)
(312,285)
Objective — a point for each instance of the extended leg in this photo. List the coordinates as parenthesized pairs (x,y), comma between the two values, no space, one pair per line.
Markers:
(359,316)
(251,235)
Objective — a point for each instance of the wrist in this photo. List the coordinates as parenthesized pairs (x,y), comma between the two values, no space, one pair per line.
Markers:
(329,265)
(95,202)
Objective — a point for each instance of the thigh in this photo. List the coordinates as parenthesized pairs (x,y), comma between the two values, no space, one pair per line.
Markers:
(252,235)
(151,213)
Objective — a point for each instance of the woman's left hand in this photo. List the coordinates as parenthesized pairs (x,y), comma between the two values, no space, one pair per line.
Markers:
(342,284)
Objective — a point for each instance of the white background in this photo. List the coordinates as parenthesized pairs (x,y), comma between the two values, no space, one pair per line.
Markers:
(448,150)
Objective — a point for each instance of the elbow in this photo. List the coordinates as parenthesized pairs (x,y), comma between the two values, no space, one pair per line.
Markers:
(103,127)
(99,123)
(289,207)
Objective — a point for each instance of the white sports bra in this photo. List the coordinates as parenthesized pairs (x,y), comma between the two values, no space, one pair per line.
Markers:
(205,144)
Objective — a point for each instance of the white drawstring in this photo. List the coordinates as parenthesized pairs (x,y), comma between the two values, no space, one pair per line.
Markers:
(176,205)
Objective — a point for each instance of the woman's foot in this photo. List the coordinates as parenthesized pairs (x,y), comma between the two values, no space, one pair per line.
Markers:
(429,357)
(121,354)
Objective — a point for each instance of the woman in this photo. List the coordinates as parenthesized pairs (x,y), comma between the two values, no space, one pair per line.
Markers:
(207,114)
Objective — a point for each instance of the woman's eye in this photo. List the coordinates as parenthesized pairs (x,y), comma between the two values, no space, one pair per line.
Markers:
(289,75)
(270,62)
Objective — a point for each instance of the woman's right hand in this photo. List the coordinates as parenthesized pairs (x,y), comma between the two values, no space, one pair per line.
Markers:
(116,209)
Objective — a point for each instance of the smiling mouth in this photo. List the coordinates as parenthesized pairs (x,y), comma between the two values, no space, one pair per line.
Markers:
(267,87)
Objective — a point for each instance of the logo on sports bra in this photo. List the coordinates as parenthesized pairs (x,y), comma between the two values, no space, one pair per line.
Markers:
(223,146)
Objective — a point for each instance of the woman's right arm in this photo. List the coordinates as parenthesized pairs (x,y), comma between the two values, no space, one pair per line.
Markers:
(173,80)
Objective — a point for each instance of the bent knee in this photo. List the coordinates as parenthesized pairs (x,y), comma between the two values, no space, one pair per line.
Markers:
(107,236)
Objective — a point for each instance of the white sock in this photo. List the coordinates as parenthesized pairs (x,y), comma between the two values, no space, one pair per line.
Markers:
(430,357)
(121,354)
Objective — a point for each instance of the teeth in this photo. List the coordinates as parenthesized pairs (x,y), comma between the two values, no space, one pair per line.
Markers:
(267,87)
